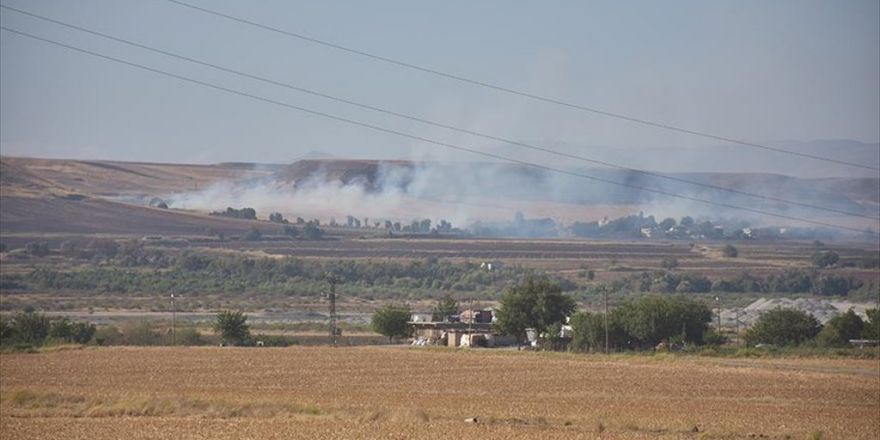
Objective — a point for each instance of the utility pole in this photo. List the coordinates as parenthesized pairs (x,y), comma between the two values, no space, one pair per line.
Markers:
(736,321)
(605,292)
(173,322)
(718,306)
(334,332)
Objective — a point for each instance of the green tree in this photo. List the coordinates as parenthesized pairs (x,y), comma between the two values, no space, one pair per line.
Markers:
(840,329)
(31,328)
(82,332)
(446,306)
(669,263)
(391,321)
(7,332)
(232,327)
(589,331)
(311,231)
(872,327)
(783,327)
(653,318)
(61,329)
(535,303)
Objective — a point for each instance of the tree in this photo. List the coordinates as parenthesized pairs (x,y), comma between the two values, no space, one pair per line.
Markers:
(654,318)
(669,263)
(535,303)
(232,327)
(446,307)
(276,217)
(872,327)
(311,231)
(828,284)
(82,332)
(61,329)
(667,224)
(30,328)
(6,331)
(730,251)
(840,329)
(589,331)
(391,321)
(290,231)
(824,258)
(783,327)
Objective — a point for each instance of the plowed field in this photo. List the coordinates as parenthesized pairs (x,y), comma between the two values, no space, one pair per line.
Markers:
(399,392)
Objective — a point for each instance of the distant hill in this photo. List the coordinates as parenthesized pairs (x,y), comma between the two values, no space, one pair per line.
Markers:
(512,181)
(732,158)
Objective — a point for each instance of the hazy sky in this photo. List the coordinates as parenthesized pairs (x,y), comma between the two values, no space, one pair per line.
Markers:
(755,70)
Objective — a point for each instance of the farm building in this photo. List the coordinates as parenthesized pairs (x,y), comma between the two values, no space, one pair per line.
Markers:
(471,328)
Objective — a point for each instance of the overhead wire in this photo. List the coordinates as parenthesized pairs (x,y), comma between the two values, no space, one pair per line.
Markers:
(424,139)
(525,94)
(434,123)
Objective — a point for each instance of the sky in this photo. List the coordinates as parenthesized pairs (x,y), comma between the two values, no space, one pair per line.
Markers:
(753,70)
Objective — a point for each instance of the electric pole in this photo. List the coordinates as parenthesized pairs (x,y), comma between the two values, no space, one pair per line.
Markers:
(173,322)
(718,306)
(605,292)
(334,332)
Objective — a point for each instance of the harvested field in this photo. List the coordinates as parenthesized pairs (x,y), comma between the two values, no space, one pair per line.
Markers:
(398,392)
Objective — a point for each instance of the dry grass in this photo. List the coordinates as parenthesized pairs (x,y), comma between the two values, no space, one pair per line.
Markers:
(395,392)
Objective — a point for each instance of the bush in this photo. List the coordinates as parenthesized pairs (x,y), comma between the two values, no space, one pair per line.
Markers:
(37,248)
(189,337)
(730,251)
(783,327)
(669,263)
(253,235)
(825,258)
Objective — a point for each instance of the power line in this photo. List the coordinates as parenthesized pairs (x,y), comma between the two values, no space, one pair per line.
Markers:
(426,140)
(517,92)
(433,123)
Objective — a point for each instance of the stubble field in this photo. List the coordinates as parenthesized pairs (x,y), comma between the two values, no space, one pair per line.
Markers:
(399,392)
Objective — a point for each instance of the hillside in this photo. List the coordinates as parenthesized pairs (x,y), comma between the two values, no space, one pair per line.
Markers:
(57,196)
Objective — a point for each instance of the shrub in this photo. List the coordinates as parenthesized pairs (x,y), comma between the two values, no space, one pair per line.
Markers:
(189,337)
(825,258)
(253,235)
(37,248)
(730,251)
(669,263)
